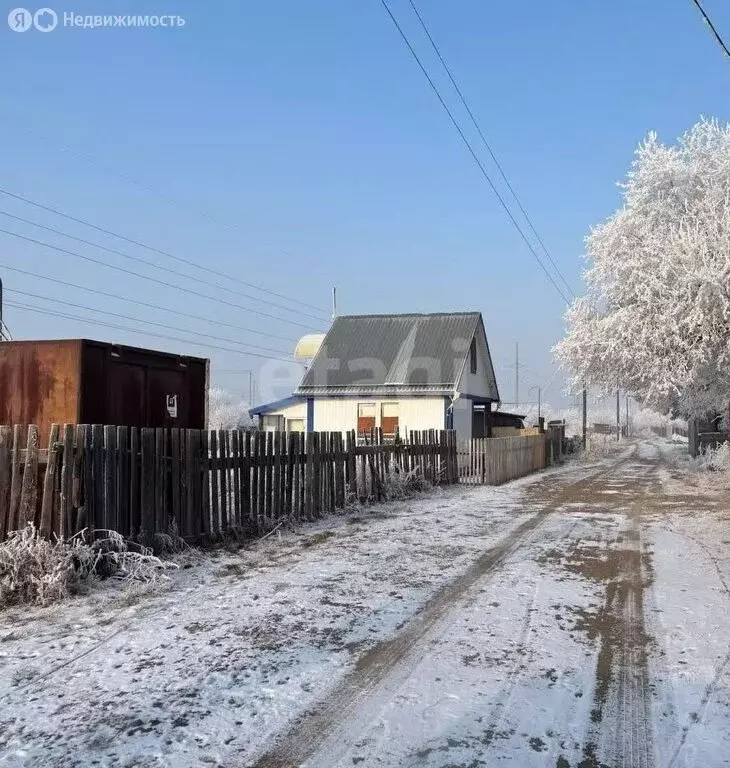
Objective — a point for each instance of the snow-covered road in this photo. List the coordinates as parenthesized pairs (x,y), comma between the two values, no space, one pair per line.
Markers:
(575,618)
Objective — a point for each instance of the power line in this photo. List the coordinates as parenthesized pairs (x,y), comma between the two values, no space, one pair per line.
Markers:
(714,31)
(151,279)
(487,145)
(159,193)
(473,153)
(151,248)
(141,303)
(140,320)
(51,313)
(544,388)
(152,264)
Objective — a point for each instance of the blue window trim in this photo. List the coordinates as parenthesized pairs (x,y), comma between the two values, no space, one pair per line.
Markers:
(310,414)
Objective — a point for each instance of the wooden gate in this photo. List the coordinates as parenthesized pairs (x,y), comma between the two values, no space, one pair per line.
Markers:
(496,460)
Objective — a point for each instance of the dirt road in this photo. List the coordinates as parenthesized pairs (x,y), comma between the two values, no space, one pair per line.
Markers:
(480,676)
(576,618)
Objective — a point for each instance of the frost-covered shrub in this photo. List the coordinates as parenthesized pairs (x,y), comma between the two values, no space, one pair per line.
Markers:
(225,412)
(402,485)
(714,459)
(36,571)
(600,446)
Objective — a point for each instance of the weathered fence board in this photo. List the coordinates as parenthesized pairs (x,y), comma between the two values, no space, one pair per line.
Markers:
(496,460)
(199,483)
(6,447)
(46,523)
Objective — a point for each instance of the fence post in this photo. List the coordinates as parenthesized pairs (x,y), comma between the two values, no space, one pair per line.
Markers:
(201,486)
(14,522)
(215,496)
(49,485)
(147,485)
(6,460)
(135,518)
(29,486)
(247,509)
(276,477)
(110,476)
(175,481)
(288,470)
(97,470)
(122,482)
(235,455)
(224,477)
(269,473)
(309,477)
(160,480)
(260,468)
(351,469)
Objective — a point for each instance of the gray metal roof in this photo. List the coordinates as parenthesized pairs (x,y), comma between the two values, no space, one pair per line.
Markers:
(374,354)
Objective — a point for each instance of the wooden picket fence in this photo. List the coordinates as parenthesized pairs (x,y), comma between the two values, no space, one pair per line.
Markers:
(199,483)
(496,460)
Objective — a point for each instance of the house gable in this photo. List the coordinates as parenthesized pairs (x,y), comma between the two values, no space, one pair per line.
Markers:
(483,382)
(399,355)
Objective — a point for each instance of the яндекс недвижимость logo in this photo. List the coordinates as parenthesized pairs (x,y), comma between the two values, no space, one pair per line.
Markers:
(21,20)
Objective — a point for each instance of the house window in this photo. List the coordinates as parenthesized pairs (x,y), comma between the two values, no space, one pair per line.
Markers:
(271,423)
(295,425)
(365,418)
(473,355)
(389,419)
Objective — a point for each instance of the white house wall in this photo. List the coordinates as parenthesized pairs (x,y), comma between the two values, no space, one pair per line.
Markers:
(295,411)
(339,414)
(483,382)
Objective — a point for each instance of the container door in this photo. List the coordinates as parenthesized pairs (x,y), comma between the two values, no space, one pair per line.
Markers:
(126,403)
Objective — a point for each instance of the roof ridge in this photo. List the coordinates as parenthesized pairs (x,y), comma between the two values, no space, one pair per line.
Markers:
(461,313)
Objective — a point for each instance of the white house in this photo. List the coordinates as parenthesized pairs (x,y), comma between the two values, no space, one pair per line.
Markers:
(395,372)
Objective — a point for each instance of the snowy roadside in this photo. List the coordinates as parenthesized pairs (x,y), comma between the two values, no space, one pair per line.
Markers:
(242,643)
(688,538)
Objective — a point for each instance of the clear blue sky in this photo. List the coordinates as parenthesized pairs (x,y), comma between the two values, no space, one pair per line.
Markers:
(306,130)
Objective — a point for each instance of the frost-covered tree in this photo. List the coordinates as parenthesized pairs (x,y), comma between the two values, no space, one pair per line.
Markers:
(656,317)
(225,413)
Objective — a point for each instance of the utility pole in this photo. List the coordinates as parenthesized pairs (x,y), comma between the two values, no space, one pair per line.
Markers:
(334,302)
(250,387)
(585,417)
(627,415)
(517,375)
(618,414)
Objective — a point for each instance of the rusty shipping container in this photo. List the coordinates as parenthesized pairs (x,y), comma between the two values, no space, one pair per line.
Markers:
(79,381)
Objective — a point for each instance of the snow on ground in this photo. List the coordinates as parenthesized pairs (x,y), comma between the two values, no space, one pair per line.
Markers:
(485,689)
(689,539)
(241,643)
(590,628)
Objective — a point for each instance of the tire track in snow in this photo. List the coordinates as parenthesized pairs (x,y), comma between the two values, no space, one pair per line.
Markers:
(621,731)
(329,729)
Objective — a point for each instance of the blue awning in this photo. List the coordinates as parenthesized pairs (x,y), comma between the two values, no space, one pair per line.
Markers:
(275,405)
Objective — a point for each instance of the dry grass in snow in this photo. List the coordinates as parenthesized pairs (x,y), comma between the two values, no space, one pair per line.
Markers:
(37,571)
(400,485)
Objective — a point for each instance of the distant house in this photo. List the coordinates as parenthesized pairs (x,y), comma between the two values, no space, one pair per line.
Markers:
(396,373)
